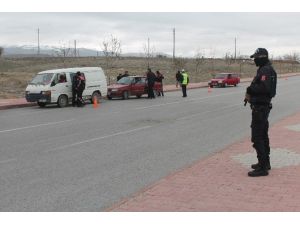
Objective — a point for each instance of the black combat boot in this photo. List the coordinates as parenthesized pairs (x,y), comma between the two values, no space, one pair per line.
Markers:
(257,166)
(258,172)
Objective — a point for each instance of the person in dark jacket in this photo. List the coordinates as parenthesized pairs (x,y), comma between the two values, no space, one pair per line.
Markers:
(80,89)
(159,79)
(259,94)
(120,76)
(151,78)
(74,88)
(178,78)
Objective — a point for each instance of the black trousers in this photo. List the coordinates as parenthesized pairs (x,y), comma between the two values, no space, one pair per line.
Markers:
(183,87)
(259,133)
(74,97)
(150,91)
(80,101)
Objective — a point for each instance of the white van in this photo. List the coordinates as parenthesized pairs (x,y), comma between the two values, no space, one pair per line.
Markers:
(47,86)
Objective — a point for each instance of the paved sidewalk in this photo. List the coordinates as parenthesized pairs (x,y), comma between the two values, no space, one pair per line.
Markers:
(21,102)
(220,182)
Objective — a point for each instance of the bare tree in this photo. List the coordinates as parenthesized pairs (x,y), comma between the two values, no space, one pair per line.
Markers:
(293,58)
(212,59)
(111,48)
(112,51)
(149,52)
(229,58)
(1,51)
(199,59)
(179,63)
(63,52)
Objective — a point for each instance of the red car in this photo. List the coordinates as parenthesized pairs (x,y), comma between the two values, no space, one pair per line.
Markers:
(224,79)
(131,86)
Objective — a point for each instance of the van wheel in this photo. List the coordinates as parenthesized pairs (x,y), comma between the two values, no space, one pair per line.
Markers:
(97,96)
(41,104)
(62,101)
(138,96)
(125,95)
(109,97)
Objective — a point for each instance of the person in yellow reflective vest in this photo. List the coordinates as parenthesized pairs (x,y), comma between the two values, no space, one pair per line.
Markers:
(184,82)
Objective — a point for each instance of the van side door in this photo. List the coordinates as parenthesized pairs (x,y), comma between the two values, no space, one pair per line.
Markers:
(62,85)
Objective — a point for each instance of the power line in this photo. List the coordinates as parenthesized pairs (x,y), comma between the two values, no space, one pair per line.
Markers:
(148,51)
(38,41)
(234,49)
(75,51)
(173,43)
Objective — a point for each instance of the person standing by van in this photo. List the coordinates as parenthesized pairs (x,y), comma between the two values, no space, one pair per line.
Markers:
(74,88)
(80,89)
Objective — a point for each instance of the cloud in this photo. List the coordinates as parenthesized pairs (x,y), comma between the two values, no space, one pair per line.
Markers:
(214,32)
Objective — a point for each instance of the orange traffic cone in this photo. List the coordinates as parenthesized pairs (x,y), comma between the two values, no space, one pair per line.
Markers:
(209,89)
(95,101)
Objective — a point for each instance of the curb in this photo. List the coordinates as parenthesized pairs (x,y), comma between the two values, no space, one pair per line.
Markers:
(12,106)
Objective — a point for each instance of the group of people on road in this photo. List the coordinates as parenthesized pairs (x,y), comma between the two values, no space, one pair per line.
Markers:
(78,86)
(151,79)
(182,79)
(259,95)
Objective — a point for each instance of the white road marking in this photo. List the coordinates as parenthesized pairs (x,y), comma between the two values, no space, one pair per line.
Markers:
(189,100)
(209,111)
(99,138)
(34,126)
(7,161)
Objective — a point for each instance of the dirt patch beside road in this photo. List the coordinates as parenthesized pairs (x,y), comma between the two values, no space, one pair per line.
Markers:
(15,73)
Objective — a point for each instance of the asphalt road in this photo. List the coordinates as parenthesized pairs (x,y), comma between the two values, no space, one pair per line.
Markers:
(86,159)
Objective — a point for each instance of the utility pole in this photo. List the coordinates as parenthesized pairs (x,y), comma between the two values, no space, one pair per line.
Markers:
(173,44)
(148,56)
(75,51)
(38,41)
(234,49)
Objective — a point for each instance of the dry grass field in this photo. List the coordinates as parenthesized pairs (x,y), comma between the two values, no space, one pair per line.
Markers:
(15,73)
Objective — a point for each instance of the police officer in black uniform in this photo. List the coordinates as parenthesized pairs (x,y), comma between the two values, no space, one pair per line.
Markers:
(151,78)
(259,95)
(74,88)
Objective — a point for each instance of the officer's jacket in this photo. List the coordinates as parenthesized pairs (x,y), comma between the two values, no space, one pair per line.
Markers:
(185,79)
(263,85)
(151,78)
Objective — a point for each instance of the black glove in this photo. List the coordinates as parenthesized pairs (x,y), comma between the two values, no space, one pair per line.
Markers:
(249,90)
(247,98)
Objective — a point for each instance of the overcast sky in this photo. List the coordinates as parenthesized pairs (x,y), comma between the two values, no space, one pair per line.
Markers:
(209,33)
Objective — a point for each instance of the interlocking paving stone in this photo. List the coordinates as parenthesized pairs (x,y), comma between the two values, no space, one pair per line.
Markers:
(280,158)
